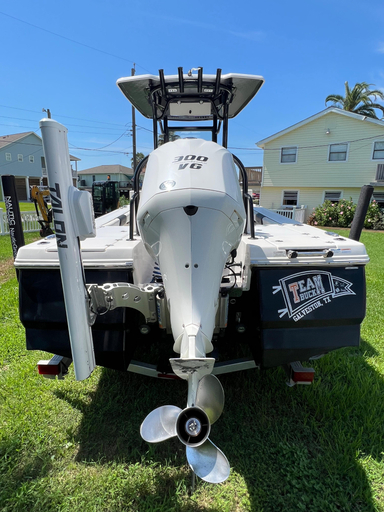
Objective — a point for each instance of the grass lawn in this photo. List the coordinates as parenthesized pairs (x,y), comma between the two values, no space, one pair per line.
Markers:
(24,207)
(76,446)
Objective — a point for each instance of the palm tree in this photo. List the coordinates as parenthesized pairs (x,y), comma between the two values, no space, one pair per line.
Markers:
(358,100)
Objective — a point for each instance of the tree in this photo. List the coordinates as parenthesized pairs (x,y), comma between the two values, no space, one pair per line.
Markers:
(139,157)
(358,100)
(172,136)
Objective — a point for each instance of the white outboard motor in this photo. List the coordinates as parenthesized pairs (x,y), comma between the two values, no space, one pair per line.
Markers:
(191,216)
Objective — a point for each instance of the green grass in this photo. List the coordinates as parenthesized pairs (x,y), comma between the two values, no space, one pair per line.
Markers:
(75,446)
(5,246)
(24,207)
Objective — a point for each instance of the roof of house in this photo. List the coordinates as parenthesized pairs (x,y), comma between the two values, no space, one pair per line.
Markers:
(324,112)
(6,140)
(107,169)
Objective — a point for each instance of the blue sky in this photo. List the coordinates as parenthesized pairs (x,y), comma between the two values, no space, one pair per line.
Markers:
(305,51)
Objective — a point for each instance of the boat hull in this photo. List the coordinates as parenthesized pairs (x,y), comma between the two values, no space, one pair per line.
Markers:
(42,312)
(276,329)
(323,318)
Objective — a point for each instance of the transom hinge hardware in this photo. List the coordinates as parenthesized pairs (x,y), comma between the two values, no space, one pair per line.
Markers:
(109,296)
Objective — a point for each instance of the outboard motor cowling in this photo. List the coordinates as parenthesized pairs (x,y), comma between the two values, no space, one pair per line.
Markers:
(191,216)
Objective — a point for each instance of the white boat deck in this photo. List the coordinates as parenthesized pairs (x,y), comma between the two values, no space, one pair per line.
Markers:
(273,240)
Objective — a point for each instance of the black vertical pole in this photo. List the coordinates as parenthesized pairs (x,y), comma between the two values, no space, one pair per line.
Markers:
(154,117)
(13,213)
(225,126)
(134,128)
(361,211)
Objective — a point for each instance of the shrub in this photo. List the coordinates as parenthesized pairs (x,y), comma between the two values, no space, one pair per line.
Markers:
(123,201)
(341,215)
(374,215)
(379,221)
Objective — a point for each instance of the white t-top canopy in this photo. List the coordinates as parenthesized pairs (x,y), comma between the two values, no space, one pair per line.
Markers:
(242,88)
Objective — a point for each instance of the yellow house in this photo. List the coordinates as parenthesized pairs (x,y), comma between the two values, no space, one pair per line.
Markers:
(330,155)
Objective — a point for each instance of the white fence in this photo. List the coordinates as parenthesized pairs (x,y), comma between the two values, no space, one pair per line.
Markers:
(294,213)
(29,220)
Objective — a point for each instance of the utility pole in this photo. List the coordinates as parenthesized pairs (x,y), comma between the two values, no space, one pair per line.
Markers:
(134,127)
(48,112)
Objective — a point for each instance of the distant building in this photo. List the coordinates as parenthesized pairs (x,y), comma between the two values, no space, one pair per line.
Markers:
(120,173)
(254,175)
(329,155)
(22,156)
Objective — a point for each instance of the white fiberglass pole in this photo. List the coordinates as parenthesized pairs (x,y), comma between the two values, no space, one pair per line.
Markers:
(68,245)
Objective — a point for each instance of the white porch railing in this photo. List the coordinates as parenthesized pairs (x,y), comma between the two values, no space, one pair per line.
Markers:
(295,213)
(29,220)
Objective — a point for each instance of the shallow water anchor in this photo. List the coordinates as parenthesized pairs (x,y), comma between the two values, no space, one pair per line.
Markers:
(73,221)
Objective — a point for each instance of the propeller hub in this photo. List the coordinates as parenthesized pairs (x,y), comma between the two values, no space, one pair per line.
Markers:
(193,427)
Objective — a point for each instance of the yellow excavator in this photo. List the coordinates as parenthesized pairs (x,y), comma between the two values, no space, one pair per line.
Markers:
(39,196)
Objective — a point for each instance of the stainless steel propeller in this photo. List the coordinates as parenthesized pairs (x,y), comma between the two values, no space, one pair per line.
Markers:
(192,426)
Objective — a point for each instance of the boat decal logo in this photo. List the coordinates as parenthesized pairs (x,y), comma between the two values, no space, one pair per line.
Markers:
(306,291)
(57,207)
(167,185)
(191,161)
(12,223)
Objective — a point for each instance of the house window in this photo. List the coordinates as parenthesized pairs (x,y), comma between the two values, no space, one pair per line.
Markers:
(379,198)
(338,152)
(19,158)
(93,177)
(288,155)
(31,159)
(290,197)
(333,196)
(8,157)
(378,151)
(42,162)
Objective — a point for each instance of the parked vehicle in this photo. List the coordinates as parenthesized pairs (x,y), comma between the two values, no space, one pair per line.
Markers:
(40,197)
(105,196)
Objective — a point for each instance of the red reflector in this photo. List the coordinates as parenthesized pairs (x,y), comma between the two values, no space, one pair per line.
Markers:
(167,376)
(303,376)
(49,369)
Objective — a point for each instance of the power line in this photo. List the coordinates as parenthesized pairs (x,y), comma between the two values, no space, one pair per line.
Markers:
(30,128)
(98,149)
(71,40)
(72,145)
(107,145)
(142,128)
(69,124)
(230,147)
(61,115)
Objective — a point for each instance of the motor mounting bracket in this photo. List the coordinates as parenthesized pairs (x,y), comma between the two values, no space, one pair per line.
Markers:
(109,296)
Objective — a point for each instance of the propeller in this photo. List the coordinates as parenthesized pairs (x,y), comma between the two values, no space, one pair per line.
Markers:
(192,426)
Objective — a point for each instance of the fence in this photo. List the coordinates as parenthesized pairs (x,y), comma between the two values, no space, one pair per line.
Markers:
(28,219)
(294,213)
